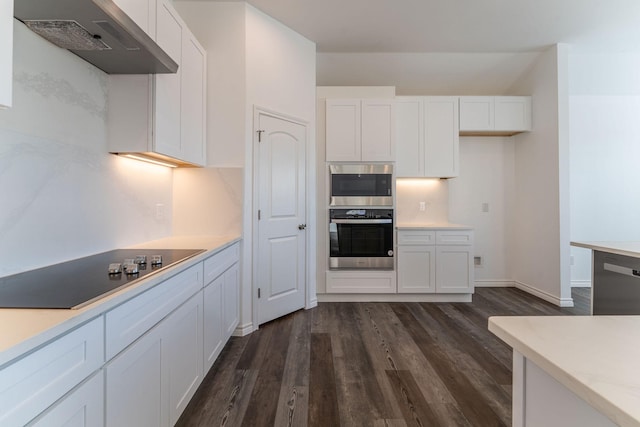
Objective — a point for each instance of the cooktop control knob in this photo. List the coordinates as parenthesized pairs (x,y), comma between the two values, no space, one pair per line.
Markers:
(115,268)
(131,268)
(156,259)
(141,259)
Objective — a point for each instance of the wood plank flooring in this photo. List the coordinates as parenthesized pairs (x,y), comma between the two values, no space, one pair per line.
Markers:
(371,364)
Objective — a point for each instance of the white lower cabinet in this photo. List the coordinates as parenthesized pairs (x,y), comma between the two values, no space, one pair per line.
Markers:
(431,261)
(231,302)
(32,384)
(83,407)
(221,301)
(151,382)
(213,307)
(361,281)
(416,269)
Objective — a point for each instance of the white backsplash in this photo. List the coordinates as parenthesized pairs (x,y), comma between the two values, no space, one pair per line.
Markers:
(410,192)
(62,195)
(208,201)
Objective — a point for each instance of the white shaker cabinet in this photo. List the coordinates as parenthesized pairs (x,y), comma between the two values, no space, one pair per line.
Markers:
(360,130)
(427,137)
(495,115)
(221,301)
(435,261)
(6,53)
(151,382)
(82,407)
(163,115)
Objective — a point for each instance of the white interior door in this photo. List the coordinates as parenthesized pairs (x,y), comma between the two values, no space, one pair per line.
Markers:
(281,250)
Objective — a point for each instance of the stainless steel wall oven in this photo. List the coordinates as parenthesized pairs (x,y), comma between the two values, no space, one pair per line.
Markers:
(361,239)
(361,185)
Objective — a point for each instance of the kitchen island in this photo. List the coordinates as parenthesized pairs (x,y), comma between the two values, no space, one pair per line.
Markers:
(134,357)
(574,370)
(615,277)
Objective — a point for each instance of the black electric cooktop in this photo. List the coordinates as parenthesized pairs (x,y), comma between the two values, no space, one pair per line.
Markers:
(76,283)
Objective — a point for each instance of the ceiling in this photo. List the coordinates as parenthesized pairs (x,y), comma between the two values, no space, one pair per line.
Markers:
(477,26)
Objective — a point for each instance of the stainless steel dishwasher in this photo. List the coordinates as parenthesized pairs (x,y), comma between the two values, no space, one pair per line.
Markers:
(616,284)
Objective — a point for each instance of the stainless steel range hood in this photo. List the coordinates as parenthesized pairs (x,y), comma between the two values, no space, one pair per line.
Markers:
(99,32)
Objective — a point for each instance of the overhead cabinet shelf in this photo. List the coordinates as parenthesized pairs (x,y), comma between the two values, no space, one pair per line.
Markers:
(494,115)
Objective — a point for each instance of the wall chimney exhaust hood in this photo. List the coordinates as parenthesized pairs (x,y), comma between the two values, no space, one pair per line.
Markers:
(99,32)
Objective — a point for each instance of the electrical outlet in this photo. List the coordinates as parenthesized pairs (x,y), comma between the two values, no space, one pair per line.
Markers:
(485,207)
(478,261)
(423,206)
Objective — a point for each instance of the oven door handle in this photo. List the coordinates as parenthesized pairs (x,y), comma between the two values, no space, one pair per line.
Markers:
(362,221)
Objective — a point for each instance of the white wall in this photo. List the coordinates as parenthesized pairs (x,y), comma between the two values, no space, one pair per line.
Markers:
(62,196)
(207,201)
(426,73)
(410,192)
(487,175)
(605,146)
(541,241)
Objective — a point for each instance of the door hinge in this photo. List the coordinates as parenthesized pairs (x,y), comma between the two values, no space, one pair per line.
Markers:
(259,214)
(258,292)
(259,135)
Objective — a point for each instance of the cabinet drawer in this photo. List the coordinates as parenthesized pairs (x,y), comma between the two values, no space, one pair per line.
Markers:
(357,282)
(124,324)
(217,264)
(32,384)
(454,237)
(416,237)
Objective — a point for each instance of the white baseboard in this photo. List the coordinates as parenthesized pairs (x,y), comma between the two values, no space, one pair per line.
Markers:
(495,283)
(560,302)
(312,303)
(243,330)
(581,283)
(394,297)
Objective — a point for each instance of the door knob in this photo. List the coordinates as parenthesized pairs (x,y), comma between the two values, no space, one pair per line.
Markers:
(302,226)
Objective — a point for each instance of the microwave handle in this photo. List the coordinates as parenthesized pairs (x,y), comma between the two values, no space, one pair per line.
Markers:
(362,221)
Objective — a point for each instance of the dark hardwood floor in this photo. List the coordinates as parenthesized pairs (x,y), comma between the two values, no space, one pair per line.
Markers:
(371,364)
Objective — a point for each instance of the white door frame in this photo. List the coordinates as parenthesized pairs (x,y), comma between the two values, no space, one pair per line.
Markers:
(309,286)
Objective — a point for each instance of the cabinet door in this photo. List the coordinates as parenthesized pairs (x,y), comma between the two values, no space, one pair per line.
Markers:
(167,102)
(476,113)
(6,52)
(454,269)
(182,355)
(442,139)
(213,333)
(378,130)
(512,113)
(231,299)
(416,269)
(83,407)
(343,130)
(409,137)
(134,385)
(193,109)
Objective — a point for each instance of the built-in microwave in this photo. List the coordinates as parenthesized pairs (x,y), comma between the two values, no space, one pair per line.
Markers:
(361,185)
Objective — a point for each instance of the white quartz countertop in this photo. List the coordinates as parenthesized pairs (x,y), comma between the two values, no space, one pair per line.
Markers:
(432,226)
(631,249)
(22,330)
(596,357)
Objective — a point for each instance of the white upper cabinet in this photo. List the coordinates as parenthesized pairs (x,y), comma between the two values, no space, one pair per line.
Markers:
(427,137)
(495,115)
(163,115)
(6,53)
(142,12)
(360,130)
